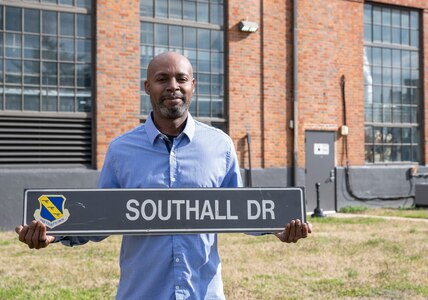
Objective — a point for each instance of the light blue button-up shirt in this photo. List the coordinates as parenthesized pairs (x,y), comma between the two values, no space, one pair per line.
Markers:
(169,266)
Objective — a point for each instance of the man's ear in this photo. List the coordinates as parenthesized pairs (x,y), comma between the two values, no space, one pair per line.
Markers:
(147,87)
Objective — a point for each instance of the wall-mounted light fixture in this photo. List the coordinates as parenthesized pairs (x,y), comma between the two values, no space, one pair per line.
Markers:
(247,26)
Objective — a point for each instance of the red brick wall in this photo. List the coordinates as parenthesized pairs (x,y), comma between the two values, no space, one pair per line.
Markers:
(117,71)
(330,44)
(244,84)
(257,73)
(259,70)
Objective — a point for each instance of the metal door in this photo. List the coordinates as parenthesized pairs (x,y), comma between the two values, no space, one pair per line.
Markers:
(320,158)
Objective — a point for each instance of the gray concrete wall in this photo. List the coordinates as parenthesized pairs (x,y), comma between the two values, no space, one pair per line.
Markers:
(13,182)
(378,186)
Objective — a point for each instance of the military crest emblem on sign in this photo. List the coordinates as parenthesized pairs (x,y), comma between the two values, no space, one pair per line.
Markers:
(52,212)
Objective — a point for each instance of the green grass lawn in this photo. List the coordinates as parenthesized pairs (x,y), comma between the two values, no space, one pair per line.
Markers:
(344,258)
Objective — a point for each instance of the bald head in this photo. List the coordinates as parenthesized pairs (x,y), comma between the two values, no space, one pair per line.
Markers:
(166,59)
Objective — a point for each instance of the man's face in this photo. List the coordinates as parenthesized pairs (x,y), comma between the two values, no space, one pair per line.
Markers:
(170,85)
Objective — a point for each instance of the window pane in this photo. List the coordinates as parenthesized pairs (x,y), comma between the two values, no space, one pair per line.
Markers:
(161,8)
(377,15)
(83,75)
(66,100)
(84,100)
(414,38)
(217,108)
(204,107)
(146,33)
(203,61)
(161,34)
(204,38)
(217,63)
(216,12)
(32,46)
(396,18)
(368,153)
(49,47)
(217,85)
(202,12)
(32,99)
(367,32)
(176,36)
(13,71)
(49,99)
(66,74)
(85,3)
(367,14)
(189,10)
(83,50)
(175,9)
(31,20)
(13,98)
(396,35)
(32,72)
(414,20)
(49,22)
(66,2)
(146,55)
(146,8)
(49,73)
(66,49)
(386,34)
(405,19)
(13,45)
(13,18)
(217,42)
(66,24)
(189,37)
(84,26)
(377,33)
(386,16)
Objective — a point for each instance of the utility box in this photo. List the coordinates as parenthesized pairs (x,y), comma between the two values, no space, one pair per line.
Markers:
(421,195)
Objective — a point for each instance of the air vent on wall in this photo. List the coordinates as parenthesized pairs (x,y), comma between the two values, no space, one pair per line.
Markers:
(35,141)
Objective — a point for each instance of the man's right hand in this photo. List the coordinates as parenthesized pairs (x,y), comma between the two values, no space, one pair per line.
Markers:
(34,235)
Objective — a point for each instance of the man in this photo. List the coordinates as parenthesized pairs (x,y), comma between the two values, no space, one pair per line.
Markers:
(170,150)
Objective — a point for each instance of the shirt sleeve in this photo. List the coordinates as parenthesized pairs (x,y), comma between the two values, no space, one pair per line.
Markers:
(107,179)
(233,173)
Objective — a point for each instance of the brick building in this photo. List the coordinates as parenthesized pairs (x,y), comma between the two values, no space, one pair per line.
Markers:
(328,91)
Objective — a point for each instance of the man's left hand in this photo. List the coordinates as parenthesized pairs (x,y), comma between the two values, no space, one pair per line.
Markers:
(294,231)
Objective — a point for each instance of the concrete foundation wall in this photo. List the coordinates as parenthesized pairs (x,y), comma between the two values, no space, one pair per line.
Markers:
(378,186)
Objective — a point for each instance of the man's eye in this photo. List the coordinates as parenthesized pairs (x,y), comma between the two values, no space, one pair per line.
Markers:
(160,79)
(182,79)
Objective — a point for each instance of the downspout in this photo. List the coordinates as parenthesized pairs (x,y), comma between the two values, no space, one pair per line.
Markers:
(295,97)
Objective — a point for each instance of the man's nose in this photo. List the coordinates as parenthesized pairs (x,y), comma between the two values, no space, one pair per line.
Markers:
(173,85)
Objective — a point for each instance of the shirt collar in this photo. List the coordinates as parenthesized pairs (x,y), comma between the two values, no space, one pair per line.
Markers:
(153,132)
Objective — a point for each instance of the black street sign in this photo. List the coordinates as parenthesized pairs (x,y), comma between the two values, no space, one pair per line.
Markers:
(163,211)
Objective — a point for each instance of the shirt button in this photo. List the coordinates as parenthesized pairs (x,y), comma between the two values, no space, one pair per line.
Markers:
(177,287)
(177,260)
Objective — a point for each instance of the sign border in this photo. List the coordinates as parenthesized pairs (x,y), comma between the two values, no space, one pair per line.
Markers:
(162,231)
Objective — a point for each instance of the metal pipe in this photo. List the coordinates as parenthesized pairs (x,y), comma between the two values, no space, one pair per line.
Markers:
(250,171)
(295,96)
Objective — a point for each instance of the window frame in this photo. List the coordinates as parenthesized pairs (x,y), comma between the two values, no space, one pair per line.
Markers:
(384,127)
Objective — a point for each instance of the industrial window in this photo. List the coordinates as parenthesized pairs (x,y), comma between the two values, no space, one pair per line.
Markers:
(46,82)
(392,82)
(194,29)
